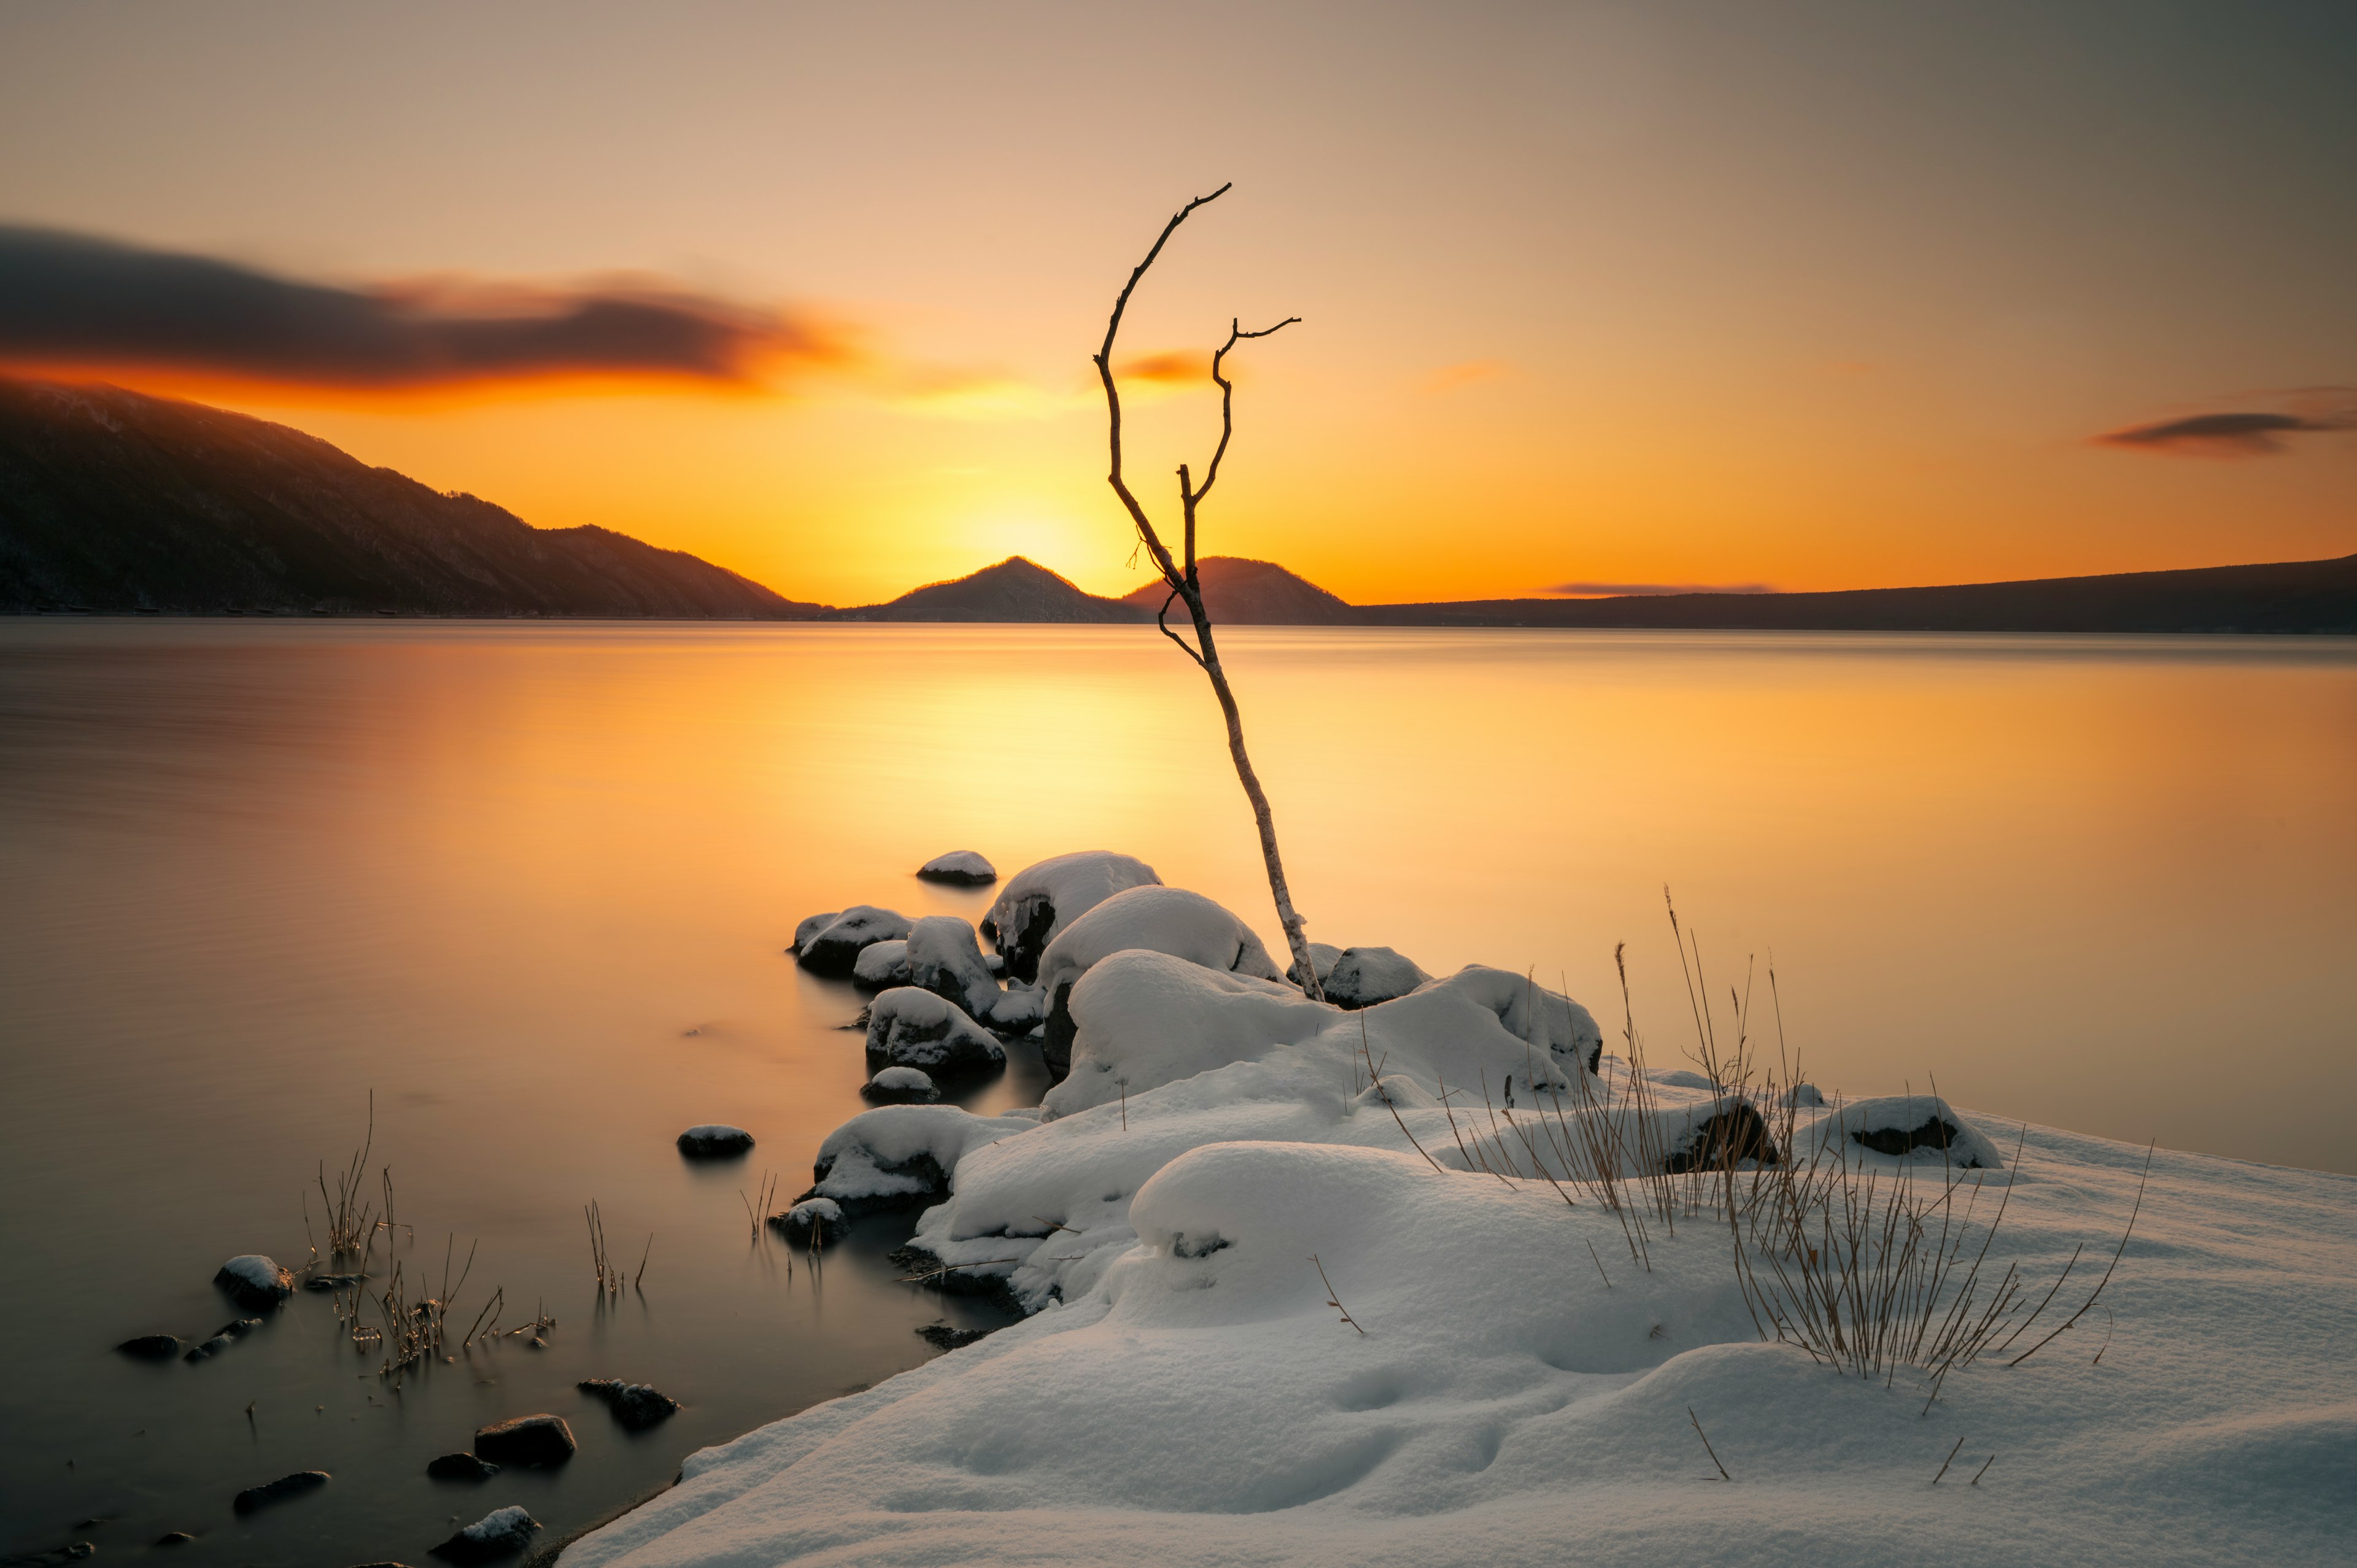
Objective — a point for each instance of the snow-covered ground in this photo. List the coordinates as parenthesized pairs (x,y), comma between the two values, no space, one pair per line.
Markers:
(1277,1318)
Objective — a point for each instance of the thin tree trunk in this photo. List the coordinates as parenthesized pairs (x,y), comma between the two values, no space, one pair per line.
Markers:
(1185,587)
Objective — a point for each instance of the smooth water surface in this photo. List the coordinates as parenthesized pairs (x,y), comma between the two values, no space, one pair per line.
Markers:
(531,885)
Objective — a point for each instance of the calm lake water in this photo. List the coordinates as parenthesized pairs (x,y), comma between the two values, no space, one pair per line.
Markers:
(530,884)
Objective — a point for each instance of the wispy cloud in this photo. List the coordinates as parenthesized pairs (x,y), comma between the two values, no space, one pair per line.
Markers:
(1169,365)
(1654,590)
(72,301)
(1448,377)
(2238,434)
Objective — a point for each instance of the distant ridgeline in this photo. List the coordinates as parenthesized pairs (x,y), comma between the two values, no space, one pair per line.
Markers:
(114,501)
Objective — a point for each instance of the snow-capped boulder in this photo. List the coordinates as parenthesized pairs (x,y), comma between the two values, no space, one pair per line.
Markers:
(534,1442)
(812,924)
(881,965)
(1143,1018)
(1322,958)
(1172,920)
(253,1282)
(714,1140)
(900,1086)
(898,1155)
(1361,977)
(502,1533)
(835,947)
(908,1027)
(1018,1010)
(1041,900)
(959,867)
(285,1487)
(1918,1128)
(944,959)
(636,1405)
(819,1219)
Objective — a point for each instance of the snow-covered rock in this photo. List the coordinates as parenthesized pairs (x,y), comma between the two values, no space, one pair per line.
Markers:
(502,1533)
(881,965)
(1018,1010)
(636,1405)
(1914,1128)
(897,1155)
(813,1218)
(908,1027)
(253,1282)
(960,867)
(1041,900)
(1142,1019)
(812,924)
(944,959)
(900,1086)
(834,948)
(1172,920)
(714,1140)
(1323,956)
(1361,977)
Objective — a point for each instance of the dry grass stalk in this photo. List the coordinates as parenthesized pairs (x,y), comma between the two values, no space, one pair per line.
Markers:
(609,1275)
(1705,1443)
(1331,1300)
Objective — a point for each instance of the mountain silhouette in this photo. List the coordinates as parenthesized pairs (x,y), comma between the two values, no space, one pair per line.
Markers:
(115,500)
(1239,591)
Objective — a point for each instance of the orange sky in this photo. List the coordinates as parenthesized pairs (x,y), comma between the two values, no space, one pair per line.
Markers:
(1833,300)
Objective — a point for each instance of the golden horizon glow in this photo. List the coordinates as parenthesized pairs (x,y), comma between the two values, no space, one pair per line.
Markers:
(1632,299)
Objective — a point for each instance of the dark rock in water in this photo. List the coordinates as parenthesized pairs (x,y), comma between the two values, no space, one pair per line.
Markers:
(836,948)
(919,1262)
(152,1347)
(1362,977)
(227,1335)
(461,1467)
(900,1086)
(942,1337)
(174,1538)
(499,1534)
(959,867)
(1728,1136)
(714,1140)
(813,1218)
(636,1405)
(291,1485)
(532,1441)
(1936,1133)
(253,1282)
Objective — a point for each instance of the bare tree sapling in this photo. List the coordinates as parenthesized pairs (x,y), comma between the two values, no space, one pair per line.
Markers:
(1185,589)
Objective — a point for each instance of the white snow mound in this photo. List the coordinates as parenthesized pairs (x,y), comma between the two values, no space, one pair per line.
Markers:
(882,964)
(1171,920)
(908,1027)
(1041,900)
(943,958)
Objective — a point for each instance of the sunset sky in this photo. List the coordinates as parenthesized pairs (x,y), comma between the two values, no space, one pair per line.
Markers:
(1805,296)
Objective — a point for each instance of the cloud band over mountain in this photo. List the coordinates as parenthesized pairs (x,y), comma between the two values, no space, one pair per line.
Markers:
(72,301)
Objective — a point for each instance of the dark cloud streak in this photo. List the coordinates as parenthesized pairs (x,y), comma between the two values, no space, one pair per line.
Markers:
(2236,435)
(74,300)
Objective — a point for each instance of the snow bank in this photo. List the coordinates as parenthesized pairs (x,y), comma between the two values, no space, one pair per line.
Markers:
(960,867)
(1041,900)
(944,959)
(1277,1318)
(835,946)
(908,1027)
(1361,977)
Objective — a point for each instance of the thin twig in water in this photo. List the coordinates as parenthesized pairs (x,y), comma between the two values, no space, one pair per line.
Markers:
(642,1260)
